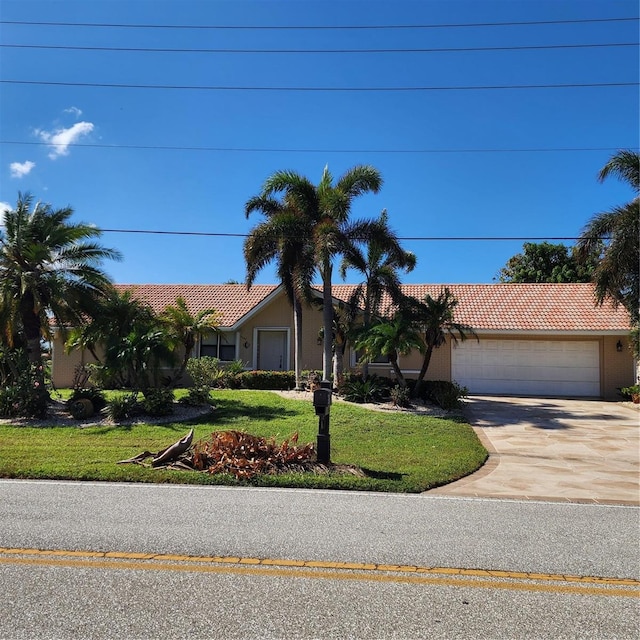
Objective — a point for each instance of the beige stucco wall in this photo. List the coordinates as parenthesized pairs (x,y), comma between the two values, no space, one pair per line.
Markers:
(63,365)
(279,313)
(617,367)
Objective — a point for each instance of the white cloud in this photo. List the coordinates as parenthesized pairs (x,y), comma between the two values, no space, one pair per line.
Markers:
(60,139)
(21,169)
(74,110)
(4,206)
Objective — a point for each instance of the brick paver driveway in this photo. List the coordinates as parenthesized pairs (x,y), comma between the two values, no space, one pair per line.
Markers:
(558,449)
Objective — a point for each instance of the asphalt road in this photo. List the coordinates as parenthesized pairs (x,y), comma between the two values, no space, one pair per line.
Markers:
(175,561)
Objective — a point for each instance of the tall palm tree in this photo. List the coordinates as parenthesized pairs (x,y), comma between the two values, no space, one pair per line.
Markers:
(617,274)
(391,338)
(284,238)
(48,265)
(185,328)
(326,208)
(379,261)
(436,318)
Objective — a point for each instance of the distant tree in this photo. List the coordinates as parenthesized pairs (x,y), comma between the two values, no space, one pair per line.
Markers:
(391,338)
(186,328)
(49,267)
(617,275)
(436,317)
(547,262)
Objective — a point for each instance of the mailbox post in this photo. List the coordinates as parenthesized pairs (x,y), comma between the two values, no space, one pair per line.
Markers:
(322,405)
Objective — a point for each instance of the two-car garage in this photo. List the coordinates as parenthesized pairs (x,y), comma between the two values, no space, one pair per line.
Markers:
(528,367)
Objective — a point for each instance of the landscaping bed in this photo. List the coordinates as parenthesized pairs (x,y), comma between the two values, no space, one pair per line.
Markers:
(396,450)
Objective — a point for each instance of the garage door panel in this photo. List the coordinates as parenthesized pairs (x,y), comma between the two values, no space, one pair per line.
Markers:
(531,367)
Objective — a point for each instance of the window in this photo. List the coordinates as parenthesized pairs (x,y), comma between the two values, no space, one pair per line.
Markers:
(219,345)
(378,360)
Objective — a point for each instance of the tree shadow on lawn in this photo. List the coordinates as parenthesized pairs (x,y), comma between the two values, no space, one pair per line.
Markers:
(229,411)
(383,475)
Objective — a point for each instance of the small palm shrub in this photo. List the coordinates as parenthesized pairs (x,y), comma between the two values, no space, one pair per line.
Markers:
(124,407)
(373,389)
(158,401)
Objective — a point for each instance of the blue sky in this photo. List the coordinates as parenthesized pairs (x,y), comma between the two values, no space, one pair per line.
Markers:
(441,152)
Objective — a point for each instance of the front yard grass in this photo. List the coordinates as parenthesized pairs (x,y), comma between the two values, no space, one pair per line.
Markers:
(399,452)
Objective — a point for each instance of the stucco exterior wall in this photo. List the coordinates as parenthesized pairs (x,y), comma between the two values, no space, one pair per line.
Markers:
(63,365)
(617,367)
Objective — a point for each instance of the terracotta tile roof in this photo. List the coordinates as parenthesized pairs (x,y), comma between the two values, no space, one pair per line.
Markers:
(523,307)
(490,307)
(232,301)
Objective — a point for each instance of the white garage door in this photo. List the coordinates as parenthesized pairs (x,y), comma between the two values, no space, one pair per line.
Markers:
(528,367)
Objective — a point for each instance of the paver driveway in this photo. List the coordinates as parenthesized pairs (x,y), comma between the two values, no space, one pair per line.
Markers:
(558,449)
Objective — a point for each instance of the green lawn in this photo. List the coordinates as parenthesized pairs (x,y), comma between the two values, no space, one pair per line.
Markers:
(398,451)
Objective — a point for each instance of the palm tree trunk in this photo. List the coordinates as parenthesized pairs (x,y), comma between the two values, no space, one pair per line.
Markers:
(396,368)
(327,320)
(423,371)
(366,318)
(297,340)
(31,327)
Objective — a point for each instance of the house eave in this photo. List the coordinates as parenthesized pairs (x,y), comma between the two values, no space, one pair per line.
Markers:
(553,332)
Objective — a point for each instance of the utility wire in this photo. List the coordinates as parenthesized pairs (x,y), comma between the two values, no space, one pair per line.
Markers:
(315,27)
(318,89)
(321,51)
(407,238)
(281,150)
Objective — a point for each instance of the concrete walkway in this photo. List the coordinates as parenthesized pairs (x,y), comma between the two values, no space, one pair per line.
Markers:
(554,449)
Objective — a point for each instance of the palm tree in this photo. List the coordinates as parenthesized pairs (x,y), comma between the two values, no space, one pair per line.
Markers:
(284,238)
(186,328)
(617,274)
(325,209)
(380,264)
(48,265)
(436,317)
(125,337)
(391,338)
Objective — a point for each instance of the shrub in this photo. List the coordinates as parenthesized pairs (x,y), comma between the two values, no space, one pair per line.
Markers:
(631,393)
(400,396)
(373,389)
(268,380)
(445,394)
(158,402)
(197,396)
(124,407)
(205,371)
(24,394)
(95,395)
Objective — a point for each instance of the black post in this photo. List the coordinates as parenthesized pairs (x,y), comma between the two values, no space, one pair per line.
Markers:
(324,439)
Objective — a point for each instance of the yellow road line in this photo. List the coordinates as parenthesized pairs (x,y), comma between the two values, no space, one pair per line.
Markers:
(443,576)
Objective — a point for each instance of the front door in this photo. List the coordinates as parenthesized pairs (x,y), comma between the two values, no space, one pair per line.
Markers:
(272,351)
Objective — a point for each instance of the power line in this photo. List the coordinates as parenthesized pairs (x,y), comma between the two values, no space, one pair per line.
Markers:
(316,27)
(283,150)
(407,238)
(320,89)
(321,51)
